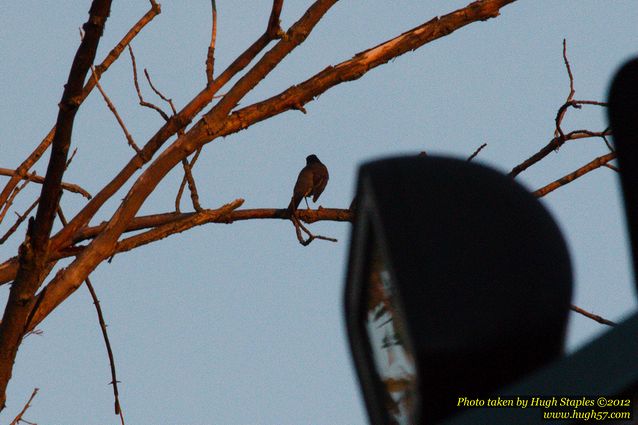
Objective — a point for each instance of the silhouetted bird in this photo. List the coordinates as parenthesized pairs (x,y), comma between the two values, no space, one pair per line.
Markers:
(311,181)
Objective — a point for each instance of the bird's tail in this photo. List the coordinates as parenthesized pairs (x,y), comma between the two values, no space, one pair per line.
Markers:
(294,203)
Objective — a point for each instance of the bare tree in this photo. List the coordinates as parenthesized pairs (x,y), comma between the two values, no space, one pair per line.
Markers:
(35,291)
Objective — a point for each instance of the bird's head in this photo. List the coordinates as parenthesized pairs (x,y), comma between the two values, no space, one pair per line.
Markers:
(312,158)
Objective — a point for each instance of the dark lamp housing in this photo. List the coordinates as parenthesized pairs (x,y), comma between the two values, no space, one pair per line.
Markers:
(459,282)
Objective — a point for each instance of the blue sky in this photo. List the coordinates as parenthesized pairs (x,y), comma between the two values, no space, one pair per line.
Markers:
(239,324)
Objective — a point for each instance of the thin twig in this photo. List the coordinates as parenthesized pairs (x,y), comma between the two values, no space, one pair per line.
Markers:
(299,226)
(22,217)
(569,72)
(596,163)
(128,136)
(476,152)
(558,132)
(12,196)
(604,136)
(559,136)
(19,221)
(114,381)
(553,145)
(39,179)
(18,418)
(188,175)
(210,57)
(159,93)
(612,167)
(185,179)
(139,92)
(577,104)
(592,316)
(100,316)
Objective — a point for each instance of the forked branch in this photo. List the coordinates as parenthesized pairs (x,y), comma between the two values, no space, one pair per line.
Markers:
(112,56)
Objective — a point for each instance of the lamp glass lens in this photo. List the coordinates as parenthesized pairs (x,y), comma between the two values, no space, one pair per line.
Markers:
(393,359)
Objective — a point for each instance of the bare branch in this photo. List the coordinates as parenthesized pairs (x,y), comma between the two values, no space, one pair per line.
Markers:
(111,106)
(559,118)
(160,232)
(187,170)
(476,152)
(299,226)
(188,176)
(559,137)
(213,120)
(18,418)
(9,268)
(19,221)
(39,179)
(352,69)
(561,113)
(139,92)
(210,57)
(109,350)
(592,316)
(34,251)
(596,163)
(105,336)
(175,124)
(113,55)
(159,93)
(553,145)
(14,193)
(612,167)
(103,245)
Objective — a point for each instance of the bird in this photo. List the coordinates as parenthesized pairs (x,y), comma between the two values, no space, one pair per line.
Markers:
(312,180)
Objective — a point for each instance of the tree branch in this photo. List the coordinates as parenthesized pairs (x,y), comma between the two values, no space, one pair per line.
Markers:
(553,145)
(105,336)
(592,316)
(139,91)
(298,95)
(21,218)
(23,169)
(476,152)
(9,201)
(311,237)
(596,163)
(9,268)
(103,245)
(109,350)
(559,118)
(176,123)
(18,419)
(185,179)
(111,106)
(39,179)
(34,251)
(210,57)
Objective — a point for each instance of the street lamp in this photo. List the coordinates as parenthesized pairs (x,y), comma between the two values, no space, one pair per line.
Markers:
(459,282)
